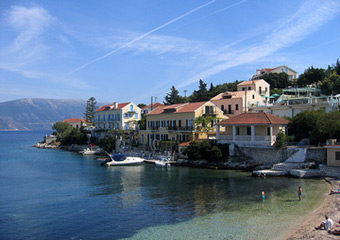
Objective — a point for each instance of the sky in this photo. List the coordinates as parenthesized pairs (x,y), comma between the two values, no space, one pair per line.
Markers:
(132,50)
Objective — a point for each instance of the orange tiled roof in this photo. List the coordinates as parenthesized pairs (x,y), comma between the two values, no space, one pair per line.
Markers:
(108,107)
(248,82)
(184,144)
(154,105)
(254,118)
(179,108)
(75,120)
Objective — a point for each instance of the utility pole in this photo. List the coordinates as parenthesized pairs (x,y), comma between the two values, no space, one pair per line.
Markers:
(185,93)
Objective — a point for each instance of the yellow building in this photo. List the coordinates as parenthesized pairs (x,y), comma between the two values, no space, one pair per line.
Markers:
(117,116)
(260,86)
(280,69)
(177,123)
(234,103)
(333,155)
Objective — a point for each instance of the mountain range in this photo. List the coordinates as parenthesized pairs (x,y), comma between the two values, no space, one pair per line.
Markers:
(38,114)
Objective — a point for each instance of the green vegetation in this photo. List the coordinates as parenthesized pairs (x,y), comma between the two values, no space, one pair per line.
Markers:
(328,80)
(68,135)
(203,150)
(90,109)
(318,126)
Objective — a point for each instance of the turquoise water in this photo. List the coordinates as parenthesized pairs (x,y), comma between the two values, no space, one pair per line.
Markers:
(53,194)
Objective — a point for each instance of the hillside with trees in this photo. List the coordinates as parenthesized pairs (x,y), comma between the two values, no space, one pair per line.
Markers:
(328,80)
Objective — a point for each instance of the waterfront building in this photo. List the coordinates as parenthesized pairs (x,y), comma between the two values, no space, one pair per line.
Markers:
(76,122)
(333,155)
(117,116)
(234,103)
(177,122)
(280,69)
(295,100)
(149,108)
(260,86)
(251,129)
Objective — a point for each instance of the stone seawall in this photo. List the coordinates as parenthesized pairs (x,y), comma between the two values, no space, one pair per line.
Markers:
(272,155)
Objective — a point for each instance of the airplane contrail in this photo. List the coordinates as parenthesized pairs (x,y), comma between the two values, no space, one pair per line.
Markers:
(140,37)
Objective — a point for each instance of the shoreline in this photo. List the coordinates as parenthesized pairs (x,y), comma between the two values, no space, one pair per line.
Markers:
(330,206)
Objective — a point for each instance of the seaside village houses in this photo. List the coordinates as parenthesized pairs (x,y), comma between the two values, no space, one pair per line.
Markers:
(116,116)
(177,123)
(248,93)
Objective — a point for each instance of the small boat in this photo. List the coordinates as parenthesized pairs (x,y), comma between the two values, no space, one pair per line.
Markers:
(164,162)
(122,160)
(91,151)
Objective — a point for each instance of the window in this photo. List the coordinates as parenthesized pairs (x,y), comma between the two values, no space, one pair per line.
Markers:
(237,131)
(268,131)
(131,108)
(248,130)
(249,88)
(243,89)
(260,90)
(337,155)
(104,118)
(136,115)
(222,107)
(98,118)
(180,123)
(253,96)
(236,107)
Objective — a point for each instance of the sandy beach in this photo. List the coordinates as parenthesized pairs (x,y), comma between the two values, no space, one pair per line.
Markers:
(329,207)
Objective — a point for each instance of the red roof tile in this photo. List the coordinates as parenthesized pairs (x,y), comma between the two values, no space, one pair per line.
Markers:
(179,108)
(248,82)
(108,107)
(75,120)
(254,118)
(184,144)
(154,105)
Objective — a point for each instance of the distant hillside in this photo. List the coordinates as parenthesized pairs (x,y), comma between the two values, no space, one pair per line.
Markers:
(38,114)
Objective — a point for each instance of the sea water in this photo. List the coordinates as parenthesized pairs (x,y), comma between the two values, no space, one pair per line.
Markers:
(55,194)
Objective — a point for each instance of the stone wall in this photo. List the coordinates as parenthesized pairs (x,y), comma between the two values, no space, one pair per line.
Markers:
(272,155)
(262,156)
(316,154)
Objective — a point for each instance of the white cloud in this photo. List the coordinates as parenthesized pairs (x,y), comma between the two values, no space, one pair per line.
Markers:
(307,19)
(29,23)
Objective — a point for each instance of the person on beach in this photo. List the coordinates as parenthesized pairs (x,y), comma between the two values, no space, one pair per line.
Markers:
(328,225)
(300,193)
(263,195)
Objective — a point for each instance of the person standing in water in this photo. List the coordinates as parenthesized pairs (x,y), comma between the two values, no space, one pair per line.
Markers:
(300,193)
(263,195)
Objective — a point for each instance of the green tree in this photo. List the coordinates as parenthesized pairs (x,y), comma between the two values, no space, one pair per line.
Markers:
(205,123)
(308,124)
(91,106)
(62,130)
(203,150)
(76,136)
(107,143)
(141,105)
(173,97)
(311,76)
(201,94)
(68,135)
(277,80)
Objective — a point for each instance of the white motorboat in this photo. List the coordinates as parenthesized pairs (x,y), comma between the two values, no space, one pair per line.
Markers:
(91,151)
(122,160)
(164,162)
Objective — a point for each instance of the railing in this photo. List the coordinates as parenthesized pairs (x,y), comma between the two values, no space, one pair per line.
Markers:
(180,128)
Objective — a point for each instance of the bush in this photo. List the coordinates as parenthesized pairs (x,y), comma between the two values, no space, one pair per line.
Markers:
(203,151)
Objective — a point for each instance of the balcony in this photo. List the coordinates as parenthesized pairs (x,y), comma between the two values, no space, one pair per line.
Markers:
(175,128)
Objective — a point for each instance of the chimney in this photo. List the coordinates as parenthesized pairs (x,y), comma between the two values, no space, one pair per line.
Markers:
(258,72)
(115,104)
